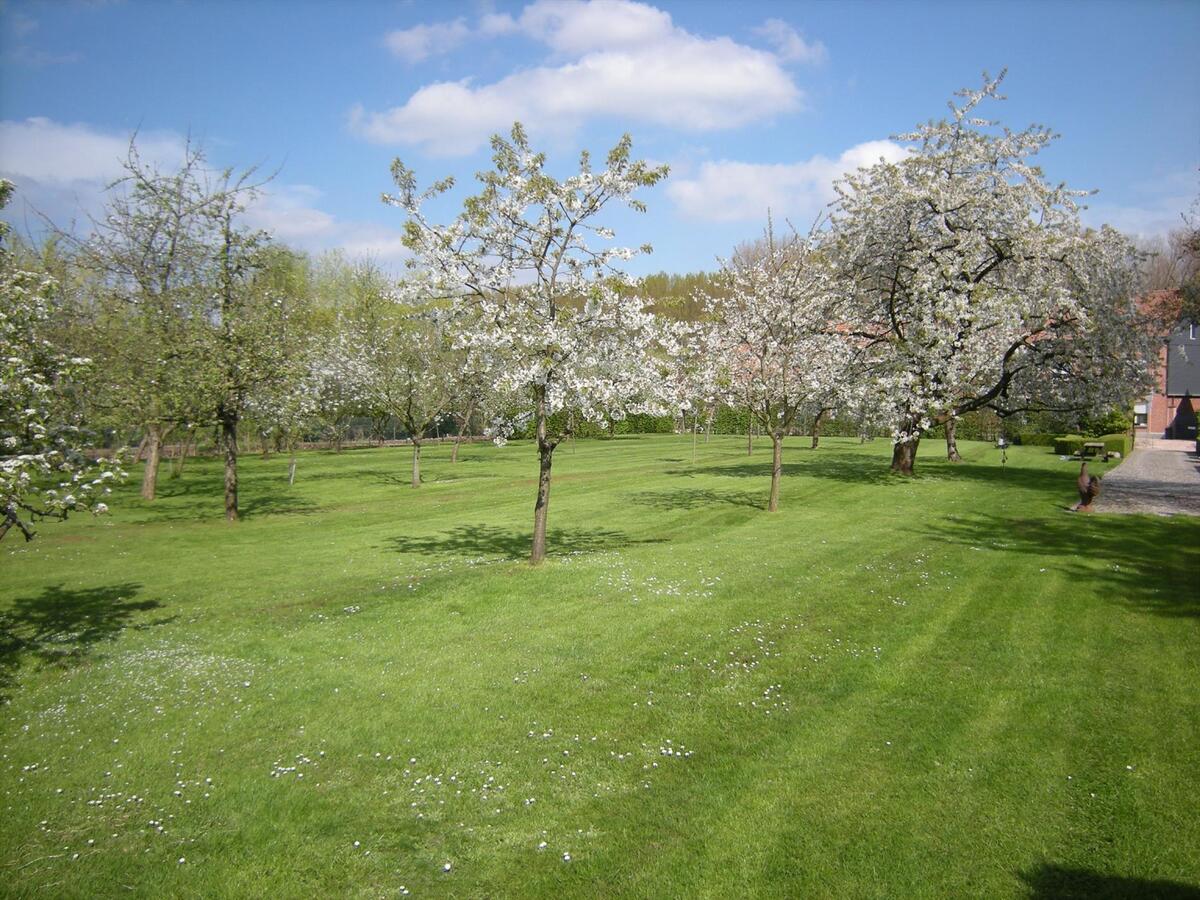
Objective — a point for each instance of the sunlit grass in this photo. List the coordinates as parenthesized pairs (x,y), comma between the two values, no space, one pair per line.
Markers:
(944,686)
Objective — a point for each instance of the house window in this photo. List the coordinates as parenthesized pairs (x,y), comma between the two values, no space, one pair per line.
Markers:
(1140,420)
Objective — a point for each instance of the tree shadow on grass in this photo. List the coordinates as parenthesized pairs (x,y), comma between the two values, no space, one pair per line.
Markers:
(837,468)
(697,498)
(60,627)
(404,479)
(207,505)
(275,504)
(1052,882)
(1147,563)
(489,540)
(858,469)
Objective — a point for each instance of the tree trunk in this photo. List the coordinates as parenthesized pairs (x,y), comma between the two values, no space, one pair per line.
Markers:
(292,469)
(466,422)
(816,428)
(708,420)
(153,443)
(545,459)
(749,435)
(229,424)
(695,435)
(904,456)
(182,453)
(951,443)
(776,469)
(416,473)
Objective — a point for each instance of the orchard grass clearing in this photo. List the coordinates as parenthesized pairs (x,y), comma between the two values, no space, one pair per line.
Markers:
(937,686)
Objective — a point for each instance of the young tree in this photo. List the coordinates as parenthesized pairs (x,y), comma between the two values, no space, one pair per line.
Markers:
(958,263)
(44,473)
(250,316)
(529,293)
(284,400)
(149,260)
(409,372)
(774,335)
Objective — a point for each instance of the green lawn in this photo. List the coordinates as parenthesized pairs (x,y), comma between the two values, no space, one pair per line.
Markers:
(940,686)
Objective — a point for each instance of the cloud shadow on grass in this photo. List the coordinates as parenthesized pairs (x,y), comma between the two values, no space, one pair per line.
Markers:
(61,626)
(1053,882)
(490,540)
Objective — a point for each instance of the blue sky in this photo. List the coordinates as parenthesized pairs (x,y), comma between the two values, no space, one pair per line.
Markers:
(753,105)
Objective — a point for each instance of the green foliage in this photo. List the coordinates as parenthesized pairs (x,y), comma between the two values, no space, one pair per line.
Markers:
(980,425)
(1117,443)
(1068,444)
(637,423)
(1111,422)
(731,420)
(674,296)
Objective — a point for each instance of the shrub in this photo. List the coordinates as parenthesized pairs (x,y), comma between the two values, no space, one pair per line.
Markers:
(1112,422)
(1068,444)
(1117,443)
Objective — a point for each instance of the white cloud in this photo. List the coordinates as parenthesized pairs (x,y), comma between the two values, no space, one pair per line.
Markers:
(628,61)
(496,24)
(789,45)
(41,150)
(423,41)
(287,211)
(581,26)
(63,171)
(291,214)
(730,191)
(1159,210)
(18,29)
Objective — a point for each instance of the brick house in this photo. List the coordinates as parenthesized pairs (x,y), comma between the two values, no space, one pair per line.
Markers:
(1171,407)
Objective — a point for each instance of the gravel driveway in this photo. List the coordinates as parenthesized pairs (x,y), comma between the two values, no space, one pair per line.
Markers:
(1160,477)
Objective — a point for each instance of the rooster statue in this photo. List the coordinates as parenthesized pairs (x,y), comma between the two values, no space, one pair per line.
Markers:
(1089,489)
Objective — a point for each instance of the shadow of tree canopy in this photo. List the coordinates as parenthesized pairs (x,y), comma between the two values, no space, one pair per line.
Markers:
(275,504)
(1152,562)
(203,499)
(61,626)
(1052,882)
(444,476)
(858,469)
(489,540)
(697,498)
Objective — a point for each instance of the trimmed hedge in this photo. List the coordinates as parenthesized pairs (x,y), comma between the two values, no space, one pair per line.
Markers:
(1117,443)
(1070,444)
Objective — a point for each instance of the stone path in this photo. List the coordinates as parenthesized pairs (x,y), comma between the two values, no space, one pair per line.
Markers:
(1160,477)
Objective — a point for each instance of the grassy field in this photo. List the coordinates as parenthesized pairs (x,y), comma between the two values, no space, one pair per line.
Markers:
(940,686)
